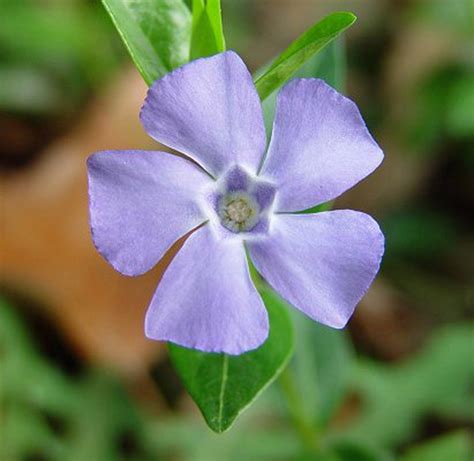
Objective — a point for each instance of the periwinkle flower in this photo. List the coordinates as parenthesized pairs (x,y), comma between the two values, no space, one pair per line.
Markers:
(237,197)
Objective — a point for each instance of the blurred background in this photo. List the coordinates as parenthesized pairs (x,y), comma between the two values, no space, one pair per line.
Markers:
(78,380)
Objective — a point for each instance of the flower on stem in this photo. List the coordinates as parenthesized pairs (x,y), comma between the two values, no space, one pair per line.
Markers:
(234,194)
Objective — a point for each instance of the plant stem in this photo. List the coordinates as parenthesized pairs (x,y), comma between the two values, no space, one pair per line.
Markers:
(306,430)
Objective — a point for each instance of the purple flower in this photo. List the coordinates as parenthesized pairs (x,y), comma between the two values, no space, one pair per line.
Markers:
(238,197)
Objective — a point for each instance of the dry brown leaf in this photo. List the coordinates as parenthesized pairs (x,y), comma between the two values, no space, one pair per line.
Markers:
(45,244)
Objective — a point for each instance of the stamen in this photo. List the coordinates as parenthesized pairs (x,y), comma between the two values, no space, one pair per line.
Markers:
(238,211)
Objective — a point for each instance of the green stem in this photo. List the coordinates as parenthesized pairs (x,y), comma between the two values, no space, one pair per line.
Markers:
(306,430)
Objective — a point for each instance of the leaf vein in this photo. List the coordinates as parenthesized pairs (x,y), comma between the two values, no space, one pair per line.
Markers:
(225,370)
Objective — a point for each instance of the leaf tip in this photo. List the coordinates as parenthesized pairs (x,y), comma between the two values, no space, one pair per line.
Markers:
(217,426)
(346,17)
(350,17)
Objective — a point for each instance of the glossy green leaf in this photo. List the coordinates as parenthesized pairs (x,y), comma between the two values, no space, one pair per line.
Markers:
(214,12)
(222,385)
(302,49)
(207,33)
(156,33)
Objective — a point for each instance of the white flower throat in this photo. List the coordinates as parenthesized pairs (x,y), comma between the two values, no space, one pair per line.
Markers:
(238,211)
(243,202)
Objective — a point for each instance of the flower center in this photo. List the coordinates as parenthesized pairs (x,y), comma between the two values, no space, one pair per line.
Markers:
(238,211)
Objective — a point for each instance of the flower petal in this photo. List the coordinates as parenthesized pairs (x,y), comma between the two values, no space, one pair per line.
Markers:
(140,203)
(209,110)
(321,263)
(206,299)
(320,146)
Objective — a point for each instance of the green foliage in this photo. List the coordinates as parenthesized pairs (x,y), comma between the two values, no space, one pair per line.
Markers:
(45,414)
(223,386)
(157,33)
(50,57)
(302,49)
(322,365)
(251,440)
(457,15)
(207,33)
(395,399)
(442,108)
(360,452)
(452,447)
(459,119)
(418,234)
(161,35)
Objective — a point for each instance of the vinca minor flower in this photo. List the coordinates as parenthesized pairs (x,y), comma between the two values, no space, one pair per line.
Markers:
(238,198)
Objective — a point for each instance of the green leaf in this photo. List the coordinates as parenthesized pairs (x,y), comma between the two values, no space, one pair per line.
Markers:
(329,64)
(395,400)
(453,447)
(207,33)
(326,206)
(322,366)
(156,33)
(302,49)
(222,385)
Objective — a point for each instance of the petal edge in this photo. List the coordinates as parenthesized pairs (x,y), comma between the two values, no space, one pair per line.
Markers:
(323,263)
(139,205)
(320,145)
(206,299)
(208,109)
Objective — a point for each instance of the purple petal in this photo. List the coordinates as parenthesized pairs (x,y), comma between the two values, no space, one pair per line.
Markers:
(321,263)
(206,299)
(141,202)
(264,194)
(236,179)
(320,146)
(209,110)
